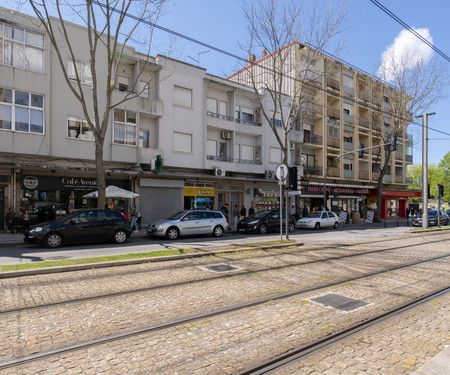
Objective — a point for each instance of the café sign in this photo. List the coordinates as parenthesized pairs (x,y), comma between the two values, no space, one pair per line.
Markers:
(54,183)
(337,190)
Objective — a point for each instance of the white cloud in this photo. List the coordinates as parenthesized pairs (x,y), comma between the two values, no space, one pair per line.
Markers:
(404,45)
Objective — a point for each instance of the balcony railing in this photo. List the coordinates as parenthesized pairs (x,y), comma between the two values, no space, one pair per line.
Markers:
(311,107)
(333,112)
(348,146)
(349,90)
(364,122)
(313,139)
(348,118)
(399,179)
(364,95)
(333,122)
(333,142)
(312,171)
(245,122)
(363,175)
(408,158)
(348,174)
(245,161)
(220,158)
(387,178)
(398,155)
(333,172)
(376,126)
(333,83)
(218,115)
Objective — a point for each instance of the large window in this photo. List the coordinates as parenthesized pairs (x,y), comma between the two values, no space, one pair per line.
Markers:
(182,142)
(275,155)
(124,127)
(82,68)
(333,132)
(21,111)
(21,48)
(78,128)
(182,97)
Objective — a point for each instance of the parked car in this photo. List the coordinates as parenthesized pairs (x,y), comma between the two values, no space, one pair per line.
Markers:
(91,225)
(264,221)
(432,218)
(189,222)
(319,219)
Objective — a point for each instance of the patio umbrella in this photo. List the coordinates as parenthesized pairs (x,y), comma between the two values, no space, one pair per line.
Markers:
(113,192)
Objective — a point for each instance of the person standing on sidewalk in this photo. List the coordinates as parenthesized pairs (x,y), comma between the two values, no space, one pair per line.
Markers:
(134,219)
(10,218)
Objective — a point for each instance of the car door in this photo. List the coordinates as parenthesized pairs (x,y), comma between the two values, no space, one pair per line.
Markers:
(78,228)
(332,217)
(189,224)
(105,224)
(273,221)
(324,221)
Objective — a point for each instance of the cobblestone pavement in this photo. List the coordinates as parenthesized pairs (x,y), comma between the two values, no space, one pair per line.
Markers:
(399,345)
(226,343)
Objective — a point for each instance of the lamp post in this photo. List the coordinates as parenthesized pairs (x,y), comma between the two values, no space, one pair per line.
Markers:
(425,168)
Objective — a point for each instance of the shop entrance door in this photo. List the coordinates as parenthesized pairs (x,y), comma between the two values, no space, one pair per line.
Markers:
(2,208)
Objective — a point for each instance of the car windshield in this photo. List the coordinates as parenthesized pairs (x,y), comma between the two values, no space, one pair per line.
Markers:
(315,214)
(176,216)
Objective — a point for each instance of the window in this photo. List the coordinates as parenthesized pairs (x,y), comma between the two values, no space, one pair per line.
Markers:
(211,105)
(333,132)
(182,97)
(277,122)
(78,128)
(21,48)
(348,165)
(245,152)
(144,139)
(82,68)
(122,83)
(21,111)
(244,114)
(182,142)
(275,155)
(308,160)
(124,131)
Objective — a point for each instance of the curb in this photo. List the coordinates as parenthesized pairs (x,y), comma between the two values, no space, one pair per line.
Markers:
(118,263)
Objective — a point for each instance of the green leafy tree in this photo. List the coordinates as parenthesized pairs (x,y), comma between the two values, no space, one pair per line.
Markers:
(443,176)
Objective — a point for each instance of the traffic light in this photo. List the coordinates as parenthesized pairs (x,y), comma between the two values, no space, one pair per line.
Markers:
(440,190)
(292,178)
(394,143)
(158,163)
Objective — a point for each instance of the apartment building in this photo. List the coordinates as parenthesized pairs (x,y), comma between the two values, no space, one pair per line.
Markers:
(342,110)
(208,131)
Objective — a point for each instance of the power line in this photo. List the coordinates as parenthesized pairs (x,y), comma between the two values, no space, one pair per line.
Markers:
(410,29)
(195,41)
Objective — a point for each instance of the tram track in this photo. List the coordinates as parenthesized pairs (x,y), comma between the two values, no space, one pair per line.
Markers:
(27,307)
(210,314)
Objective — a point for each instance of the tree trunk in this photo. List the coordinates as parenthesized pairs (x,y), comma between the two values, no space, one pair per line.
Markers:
(101,183)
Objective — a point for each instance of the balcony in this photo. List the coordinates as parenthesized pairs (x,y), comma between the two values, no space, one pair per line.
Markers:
(151,106)
(398,155)
(349,91)
(376,101)
(333,122)
(376,127)
(333,142)
(349,174)
(333,83)
(245,161)
(348,118)
(375,176)
(333,112)
(364,122)
(219,116)
(220,158)
(333,172)
(408,158)
(245,122)
(348,146)
(312,171)
(313,139)
(312,108)
(364,95)
(364,175)
(399,179)
(387,178)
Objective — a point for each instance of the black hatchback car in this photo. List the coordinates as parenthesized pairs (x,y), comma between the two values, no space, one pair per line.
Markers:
(91,225)
(432,218)
(264,221)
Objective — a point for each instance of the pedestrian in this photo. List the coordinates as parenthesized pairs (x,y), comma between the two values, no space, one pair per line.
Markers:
(134,219)
(251,210)
(26,219)
(10,219)
(225,211)
(305,211)
(236,215)
(243,212)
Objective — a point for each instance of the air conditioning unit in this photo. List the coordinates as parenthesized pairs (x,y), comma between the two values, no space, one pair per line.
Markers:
(226,135)
(270,175)
(219,172)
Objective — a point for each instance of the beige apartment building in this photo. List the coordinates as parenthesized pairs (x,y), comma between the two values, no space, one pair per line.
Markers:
(342,110)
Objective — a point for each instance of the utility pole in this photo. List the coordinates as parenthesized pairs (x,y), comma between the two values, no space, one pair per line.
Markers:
(425,168)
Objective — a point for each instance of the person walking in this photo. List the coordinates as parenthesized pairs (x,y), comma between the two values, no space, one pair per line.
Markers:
(236,215)
(251,210)
(134,219)
(10,219)
(243,212)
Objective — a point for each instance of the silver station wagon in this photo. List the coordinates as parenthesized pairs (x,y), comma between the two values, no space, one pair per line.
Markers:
(188,223)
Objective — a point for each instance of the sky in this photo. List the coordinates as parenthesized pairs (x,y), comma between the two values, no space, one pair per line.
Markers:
(219,24)
(371,32)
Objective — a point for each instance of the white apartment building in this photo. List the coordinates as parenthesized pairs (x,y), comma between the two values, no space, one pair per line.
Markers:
(342,110)
(215,147)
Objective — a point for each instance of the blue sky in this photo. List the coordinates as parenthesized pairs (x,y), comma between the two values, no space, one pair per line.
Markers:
(371,31)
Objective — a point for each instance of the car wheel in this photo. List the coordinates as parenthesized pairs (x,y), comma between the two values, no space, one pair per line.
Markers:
(53,240)
(173,233)
(120,236)
(317,226)
(291,227)
(218,231)
(335,226)
(263,229)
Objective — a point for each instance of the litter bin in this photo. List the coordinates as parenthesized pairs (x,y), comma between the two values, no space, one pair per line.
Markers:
(356,218)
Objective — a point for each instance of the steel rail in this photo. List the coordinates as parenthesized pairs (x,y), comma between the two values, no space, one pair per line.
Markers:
(84,345)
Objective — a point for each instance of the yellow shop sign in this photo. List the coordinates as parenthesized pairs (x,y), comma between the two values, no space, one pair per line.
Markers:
(198,192)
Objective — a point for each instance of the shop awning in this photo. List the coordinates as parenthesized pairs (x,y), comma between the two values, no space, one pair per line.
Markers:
(113,192)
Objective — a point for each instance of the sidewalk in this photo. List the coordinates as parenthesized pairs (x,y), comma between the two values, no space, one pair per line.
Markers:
(9,239)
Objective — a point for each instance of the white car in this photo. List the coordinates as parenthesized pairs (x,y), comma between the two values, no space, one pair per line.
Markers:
(319,219)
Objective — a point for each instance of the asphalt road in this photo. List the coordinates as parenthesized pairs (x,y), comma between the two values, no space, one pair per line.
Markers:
(24,253)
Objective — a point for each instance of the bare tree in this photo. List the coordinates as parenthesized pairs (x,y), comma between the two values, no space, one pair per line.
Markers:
(108,33)
(416,85)
(289,71)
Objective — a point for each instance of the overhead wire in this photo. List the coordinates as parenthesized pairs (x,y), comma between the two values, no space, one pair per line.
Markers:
(222,51)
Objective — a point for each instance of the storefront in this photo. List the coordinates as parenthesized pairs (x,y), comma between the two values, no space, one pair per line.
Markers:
(393,202)
(47,197)
(199,197)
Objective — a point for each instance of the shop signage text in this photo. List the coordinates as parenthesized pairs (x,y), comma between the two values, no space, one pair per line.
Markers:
(337,190)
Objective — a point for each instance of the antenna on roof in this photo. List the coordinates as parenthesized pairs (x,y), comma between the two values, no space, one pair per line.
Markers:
(198,57)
